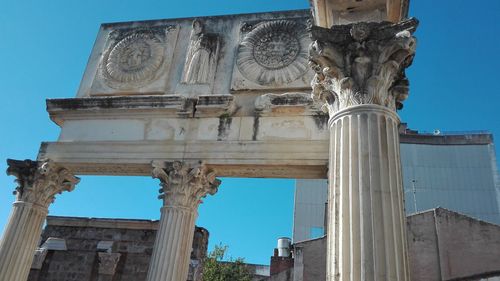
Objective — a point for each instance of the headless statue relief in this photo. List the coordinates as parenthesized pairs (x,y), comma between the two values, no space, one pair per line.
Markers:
(201,56)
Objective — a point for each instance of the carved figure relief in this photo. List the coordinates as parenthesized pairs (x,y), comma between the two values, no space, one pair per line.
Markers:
(274,53)
(201,57)
(135,58)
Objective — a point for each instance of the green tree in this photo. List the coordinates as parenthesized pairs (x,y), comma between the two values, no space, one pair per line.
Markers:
(215,269)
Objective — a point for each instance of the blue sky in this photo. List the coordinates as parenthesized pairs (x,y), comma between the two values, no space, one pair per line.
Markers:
(45,46)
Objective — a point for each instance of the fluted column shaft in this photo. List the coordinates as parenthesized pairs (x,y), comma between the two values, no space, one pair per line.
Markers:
(19,242)
(366,234)
(360,81)
(173,244)
(183,187)
(38,183)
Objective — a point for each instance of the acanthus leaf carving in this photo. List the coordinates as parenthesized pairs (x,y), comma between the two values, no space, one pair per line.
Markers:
(184,184)
(40,181)
(362,63)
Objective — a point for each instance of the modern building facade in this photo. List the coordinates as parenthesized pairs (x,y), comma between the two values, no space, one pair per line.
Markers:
(456,171)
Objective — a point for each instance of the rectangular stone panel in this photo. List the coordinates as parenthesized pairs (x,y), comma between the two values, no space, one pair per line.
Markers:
(135,60)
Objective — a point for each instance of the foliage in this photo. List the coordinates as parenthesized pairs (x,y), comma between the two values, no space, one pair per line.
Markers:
(215,269)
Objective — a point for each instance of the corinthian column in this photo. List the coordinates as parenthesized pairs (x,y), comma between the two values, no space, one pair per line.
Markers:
(183,186)
(38,183)
(361,82)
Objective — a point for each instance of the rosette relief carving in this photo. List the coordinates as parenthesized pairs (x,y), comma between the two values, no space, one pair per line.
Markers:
(273,53)
(134,58)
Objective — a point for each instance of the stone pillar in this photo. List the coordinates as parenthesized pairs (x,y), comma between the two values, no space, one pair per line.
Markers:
(107,265)
(38,183)
(183,186)
(361,82)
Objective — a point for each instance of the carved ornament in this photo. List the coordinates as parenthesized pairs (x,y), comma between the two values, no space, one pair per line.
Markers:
(184,184)
(134,58)
(201,58)
(274,52)
(40,181)
(362,63)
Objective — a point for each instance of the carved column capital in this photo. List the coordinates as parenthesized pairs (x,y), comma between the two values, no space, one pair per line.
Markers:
(362,63)
(184,184)
(40,181)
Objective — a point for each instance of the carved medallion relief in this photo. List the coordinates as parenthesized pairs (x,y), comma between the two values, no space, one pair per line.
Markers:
(272,54)
(134,59)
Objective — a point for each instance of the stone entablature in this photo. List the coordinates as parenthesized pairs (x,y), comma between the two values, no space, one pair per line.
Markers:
(236,133)
(231,90)
(218,55)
